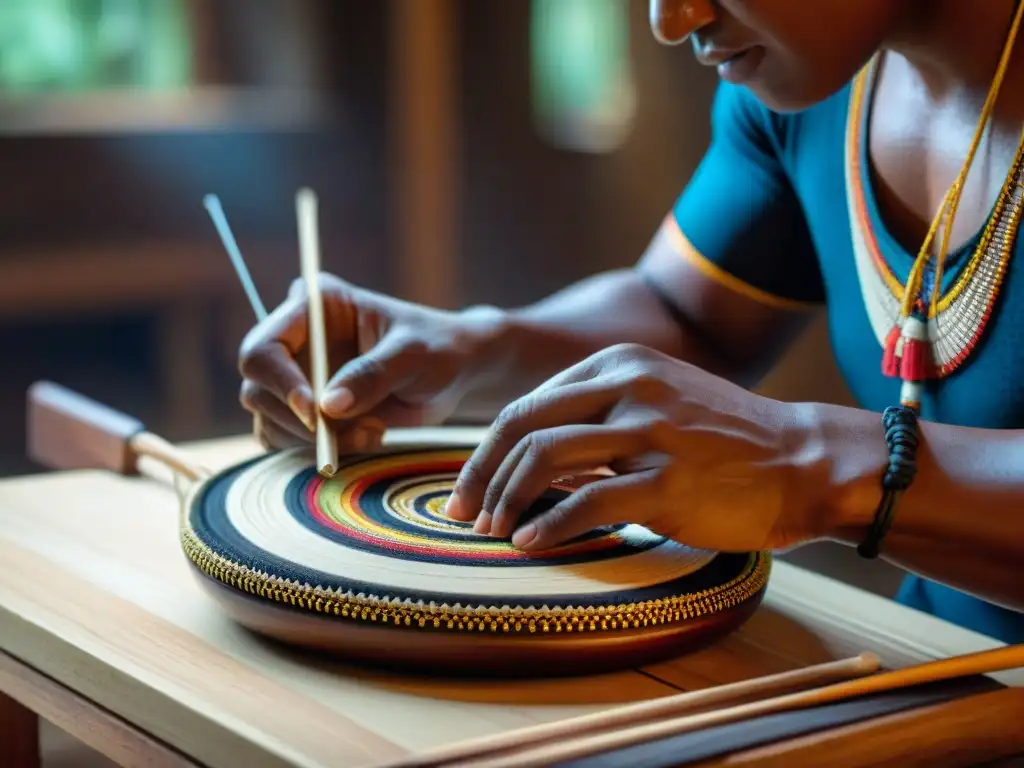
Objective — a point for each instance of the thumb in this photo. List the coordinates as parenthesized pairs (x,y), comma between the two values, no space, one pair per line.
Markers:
(366,381)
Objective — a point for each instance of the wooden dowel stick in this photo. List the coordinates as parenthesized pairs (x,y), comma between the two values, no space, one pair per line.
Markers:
(1010,657)
(970,731)
(630,714)
(309,251)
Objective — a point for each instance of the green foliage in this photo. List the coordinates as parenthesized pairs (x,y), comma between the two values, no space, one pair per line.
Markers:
(51,46)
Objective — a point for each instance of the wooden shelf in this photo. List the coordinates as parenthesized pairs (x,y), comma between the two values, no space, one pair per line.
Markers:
(99,277)
(199,109)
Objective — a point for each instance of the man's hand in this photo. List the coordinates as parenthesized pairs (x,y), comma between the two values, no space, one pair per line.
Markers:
(692,457)
(395,364)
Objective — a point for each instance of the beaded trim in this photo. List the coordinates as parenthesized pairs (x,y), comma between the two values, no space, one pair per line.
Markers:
(965,308)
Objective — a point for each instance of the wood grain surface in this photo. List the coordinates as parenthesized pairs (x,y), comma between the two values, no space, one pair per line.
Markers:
(95,594)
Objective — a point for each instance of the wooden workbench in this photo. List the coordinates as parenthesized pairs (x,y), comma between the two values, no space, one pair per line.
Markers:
(105,632)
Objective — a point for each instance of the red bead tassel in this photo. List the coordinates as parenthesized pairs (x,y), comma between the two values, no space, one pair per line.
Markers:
(914,362)
(890,360)
(915,354)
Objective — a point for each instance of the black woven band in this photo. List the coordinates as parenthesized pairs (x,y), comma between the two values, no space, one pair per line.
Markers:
(902,436)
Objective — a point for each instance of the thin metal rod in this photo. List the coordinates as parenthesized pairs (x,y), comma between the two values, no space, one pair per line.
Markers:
(220,221)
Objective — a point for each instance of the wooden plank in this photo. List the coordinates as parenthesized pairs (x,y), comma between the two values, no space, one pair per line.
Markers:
(198,109)
(95,727)
(96,594)
(194,680)
(111,277)
(808,619)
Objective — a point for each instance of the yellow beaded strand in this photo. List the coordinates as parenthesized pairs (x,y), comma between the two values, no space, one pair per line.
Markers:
(947,210)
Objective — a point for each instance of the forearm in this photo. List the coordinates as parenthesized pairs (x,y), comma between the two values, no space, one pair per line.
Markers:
(961,522)
(517,350)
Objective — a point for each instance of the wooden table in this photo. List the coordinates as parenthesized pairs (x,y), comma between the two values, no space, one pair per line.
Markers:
(104,632)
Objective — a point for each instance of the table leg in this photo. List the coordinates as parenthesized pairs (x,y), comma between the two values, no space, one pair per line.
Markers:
(19,735)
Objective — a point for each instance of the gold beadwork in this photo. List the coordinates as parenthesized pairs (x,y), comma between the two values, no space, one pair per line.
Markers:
(467,618)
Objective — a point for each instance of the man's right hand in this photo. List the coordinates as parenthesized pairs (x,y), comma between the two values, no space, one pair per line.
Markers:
(394,364)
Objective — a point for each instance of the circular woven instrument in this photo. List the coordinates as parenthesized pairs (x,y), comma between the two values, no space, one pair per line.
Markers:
(366,565)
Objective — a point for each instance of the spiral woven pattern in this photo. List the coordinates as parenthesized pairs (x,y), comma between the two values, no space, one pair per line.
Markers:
(376,534)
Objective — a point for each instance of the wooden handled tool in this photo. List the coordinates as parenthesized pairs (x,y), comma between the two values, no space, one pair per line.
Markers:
(67,430)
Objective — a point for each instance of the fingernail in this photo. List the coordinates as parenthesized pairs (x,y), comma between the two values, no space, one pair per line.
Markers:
(301,403)
(453,508)
(523,537)
(336,402)
(483,524)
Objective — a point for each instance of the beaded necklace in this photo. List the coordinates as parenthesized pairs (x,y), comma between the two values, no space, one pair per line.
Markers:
(926,334)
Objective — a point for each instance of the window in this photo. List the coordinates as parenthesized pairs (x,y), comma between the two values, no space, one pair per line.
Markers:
(80,46)
(583,92)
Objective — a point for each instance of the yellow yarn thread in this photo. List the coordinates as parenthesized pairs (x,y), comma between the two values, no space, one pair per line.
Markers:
(952,199)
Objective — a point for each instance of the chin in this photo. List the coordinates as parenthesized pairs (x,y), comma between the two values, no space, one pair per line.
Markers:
(782,101)
(787,98)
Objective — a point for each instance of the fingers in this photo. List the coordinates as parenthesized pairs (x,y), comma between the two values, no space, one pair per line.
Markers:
(371,369)
(577,403)
(542,457)
(258,400)
(610,501)
(273,436)
(267,358)
(355,437)
(365,382)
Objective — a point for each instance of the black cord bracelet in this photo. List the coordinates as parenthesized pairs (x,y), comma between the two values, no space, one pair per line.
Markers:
(902,436)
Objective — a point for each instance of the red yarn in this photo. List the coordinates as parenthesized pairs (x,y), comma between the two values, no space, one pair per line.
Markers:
(914,364)
(890,362)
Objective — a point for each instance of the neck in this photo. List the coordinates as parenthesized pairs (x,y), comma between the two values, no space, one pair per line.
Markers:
(955,45)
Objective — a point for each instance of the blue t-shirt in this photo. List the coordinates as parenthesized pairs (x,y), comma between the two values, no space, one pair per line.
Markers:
(769,211)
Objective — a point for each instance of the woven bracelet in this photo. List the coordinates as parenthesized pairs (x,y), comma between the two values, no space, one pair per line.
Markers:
(902,436)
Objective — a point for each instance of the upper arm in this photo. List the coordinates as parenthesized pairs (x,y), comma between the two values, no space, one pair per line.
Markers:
(734,257)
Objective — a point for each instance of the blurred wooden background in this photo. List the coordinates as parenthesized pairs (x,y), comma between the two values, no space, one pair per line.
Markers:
(464,151)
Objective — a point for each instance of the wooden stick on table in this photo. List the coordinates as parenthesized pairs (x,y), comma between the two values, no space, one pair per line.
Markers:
(646,711)
(1009,657)
(309,251)
(971,730)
